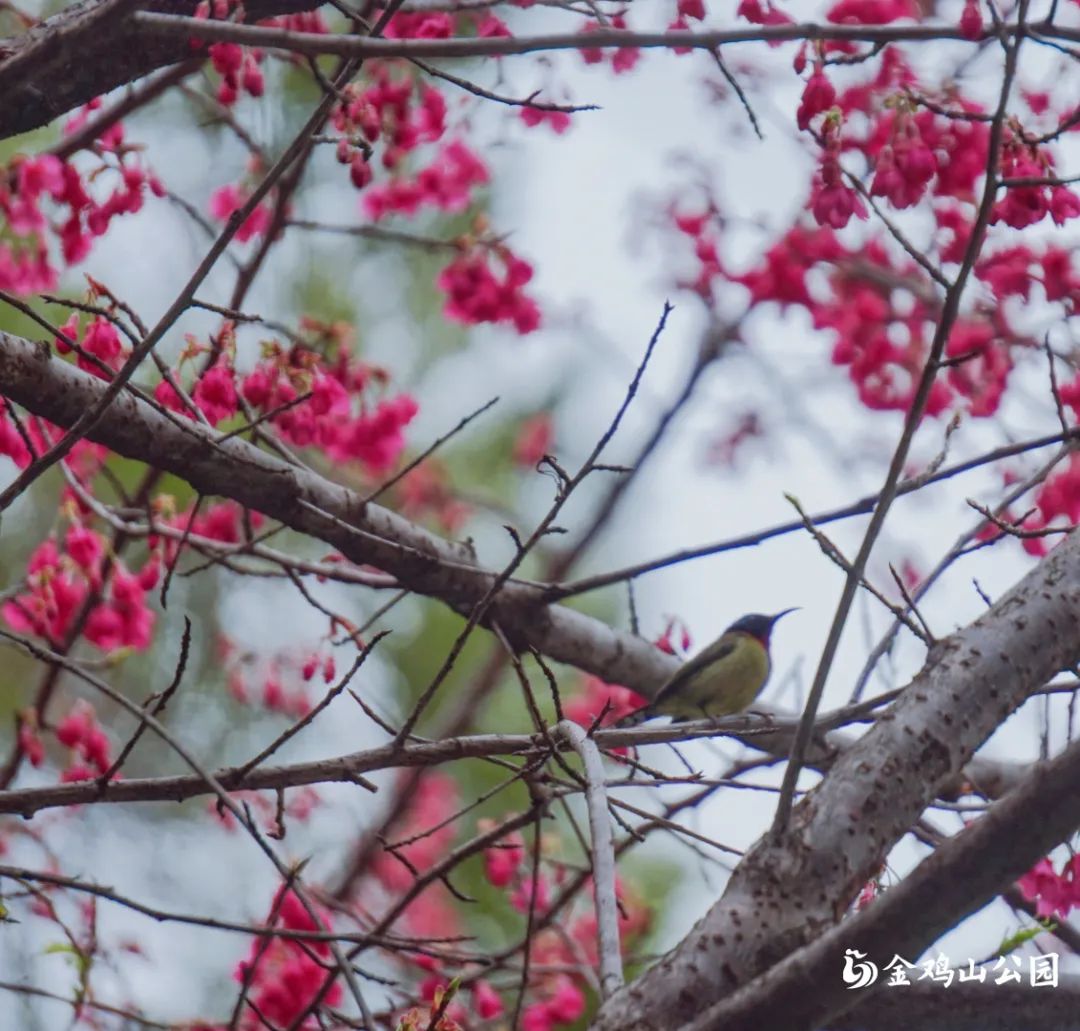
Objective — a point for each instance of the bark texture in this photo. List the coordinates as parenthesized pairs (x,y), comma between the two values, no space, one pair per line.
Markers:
(90,48)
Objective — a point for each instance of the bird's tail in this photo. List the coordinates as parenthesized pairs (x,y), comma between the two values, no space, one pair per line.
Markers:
(632,719)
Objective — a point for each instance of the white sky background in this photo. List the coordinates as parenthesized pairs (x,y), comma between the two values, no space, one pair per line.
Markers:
(582,207)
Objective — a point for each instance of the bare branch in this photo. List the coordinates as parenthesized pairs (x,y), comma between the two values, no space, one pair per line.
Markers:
(603,858)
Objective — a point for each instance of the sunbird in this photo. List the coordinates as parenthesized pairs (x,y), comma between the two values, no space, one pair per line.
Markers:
(720,680)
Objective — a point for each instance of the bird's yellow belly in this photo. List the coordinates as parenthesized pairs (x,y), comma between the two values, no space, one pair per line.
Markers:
(723,688)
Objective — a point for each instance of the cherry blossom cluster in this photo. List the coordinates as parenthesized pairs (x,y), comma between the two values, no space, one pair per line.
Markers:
(687,11)
(285,976)
(557,121)
(79,731)
(426,493)
(297,806)
(1025,205)
(423,837)
(881,328)
(446,185)
(231,198)
(1055,892)
(443,25)
(278,682)
(64,575)
(621,60)
(915,147)
(398,110)
(334,406)
(596,697)
(240,68)
(99,339)
(237,66)
(478,292)
(46,202)
(535,438)
(1057,504)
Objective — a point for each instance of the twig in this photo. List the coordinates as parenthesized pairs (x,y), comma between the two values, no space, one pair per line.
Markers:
(427,453)
(299,725)
(603,858)
(157,710)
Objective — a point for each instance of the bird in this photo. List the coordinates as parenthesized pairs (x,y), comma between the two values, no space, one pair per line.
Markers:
(720,680)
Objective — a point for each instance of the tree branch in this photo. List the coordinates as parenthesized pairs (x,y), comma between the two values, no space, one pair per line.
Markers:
(90,48)
(965,873)
(968,1007)
(32,376)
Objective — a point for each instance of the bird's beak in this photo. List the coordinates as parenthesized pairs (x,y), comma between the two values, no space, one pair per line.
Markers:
(773,619)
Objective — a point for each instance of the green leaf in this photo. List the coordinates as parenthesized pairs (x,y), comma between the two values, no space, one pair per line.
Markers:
(1024,935)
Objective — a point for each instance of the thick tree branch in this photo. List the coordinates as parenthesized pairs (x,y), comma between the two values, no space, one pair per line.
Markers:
(968,1007)
(95,46)
(706,39)
(966,872)
(366,534)
(90,48)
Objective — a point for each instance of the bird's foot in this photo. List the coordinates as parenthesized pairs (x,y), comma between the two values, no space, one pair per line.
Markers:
(766,716)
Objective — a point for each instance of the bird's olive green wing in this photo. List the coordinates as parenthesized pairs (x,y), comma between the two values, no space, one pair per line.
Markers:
(688,670)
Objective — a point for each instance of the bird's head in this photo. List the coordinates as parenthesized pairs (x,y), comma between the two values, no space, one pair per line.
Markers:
(756,625)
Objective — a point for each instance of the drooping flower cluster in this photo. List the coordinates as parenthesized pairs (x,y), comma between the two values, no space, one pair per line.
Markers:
(214,393)
(1055,892)
(100,339)
(557,121)
(597,696)
(763,13)
(446,185)
(231,198)
(286,975)
(477,292)
(832,201)
(420,25)
(685,11)
(79,730)
(882,331)
(240,68)
(1057,503)
(371,433)
(534,439)
(19,440)
(276,683)
(423,837)
(39,194)
(397,112)
(400,112)
(622,59)
(435,796)
(1025,205)
(426,492)
(62,576)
